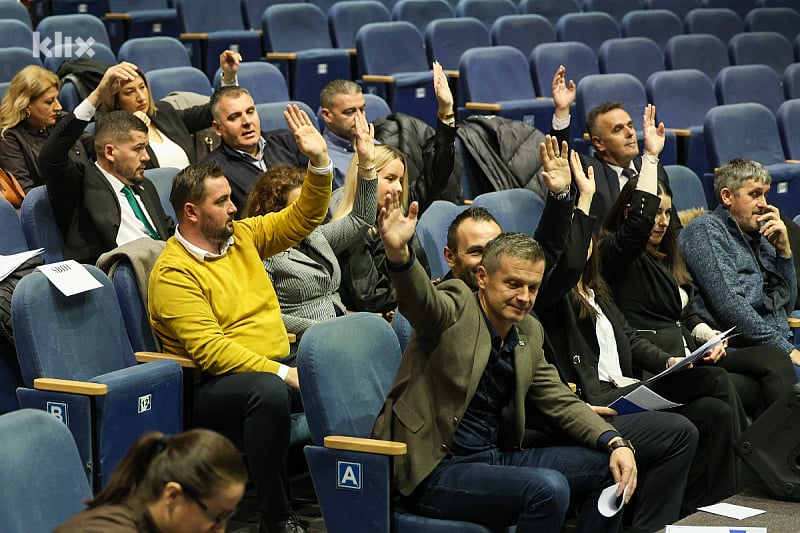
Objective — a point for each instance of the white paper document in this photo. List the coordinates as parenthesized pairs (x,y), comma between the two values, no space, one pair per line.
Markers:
(9,263)
(692,357)
(715,529)
(70,277)
(731,511)
(608,503)
(639,400)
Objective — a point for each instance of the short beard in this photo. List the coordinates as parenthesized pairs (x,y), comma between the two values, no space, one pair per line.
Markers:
(217,236)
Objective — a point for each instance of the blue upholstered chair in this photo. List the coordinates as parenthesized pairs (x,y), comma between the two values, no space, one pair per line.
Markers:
(15,11)
(264,81)
(330,354)
(720,22)
(272,118)
(687,189)
(15,33)
(65,52)
(78,365)
(44,483)
(680,7)
(162,179)
(660,25)
(591,28)
(14,59)
(788,118)
(347,17)
(96,8)
(39,225)
(552,10)
(638,56)
(151,53)
(514,209)
(579,59)
(487,11)
(130,19)
(739,84)
(616,8)
(702,51)
(446,40)
(761,48)
(740,7)
(166,80)
(783,20)
(523,32)
(421,12)
(432,233)
(77,26)
(791,81)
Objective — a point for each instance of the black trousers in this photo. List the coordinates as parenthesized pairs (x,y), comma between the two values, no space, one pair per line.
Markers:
(761,375)
(258,406)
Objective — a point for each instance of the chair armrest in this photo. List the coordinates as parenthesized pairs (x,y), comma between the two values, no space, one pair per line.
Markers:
(376,78)
(149,357)
(194,36)
(483,106)
(452,73)
(680,132)
(467,202)
(118,16)
(292,337)
(352,51)
(291,56)
(86,388)
(794,322)
(356,444)
(793,160)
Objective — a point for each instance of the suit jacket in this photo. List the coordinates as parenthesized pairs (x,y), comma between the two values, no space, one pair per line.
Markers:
(440,370)
(179,125)
(84,204)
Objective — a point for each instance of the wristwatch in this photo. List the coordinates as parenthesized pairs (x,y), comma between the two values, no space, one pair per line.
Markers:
(621,443)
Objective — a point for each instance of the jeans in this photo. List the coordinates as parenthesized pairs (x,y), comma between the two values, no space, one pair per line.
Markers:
(529,488)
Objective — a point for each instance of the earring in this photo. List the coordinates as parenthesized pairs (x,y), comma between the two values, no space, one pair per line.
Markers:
(27,113)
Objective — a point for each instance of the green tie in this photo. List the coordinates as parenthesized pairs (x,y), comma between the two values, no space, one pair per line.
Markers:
(137,210)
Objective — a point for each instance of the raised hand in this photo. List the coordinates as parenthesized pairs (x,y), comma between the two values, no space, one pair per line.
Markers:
(442,89)
(584,183)
(364,141)
(556,173)
(229,63)
(563,93)
(396,228)
(308,138)
(114,78)
(654,135)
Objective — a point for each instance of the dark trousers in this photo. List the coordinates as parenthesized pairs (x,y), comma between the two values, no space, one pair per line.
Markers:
(529,488)
(256,405)
(761,375)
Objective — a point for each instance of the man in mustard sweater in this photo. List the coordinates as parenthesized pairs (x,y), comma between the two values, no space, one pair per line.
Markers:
(211,299)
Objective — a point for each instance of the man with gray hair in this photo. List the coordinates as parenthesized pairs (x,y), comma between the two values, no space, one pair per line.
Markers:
(246,151)
(741,260)
(341,101)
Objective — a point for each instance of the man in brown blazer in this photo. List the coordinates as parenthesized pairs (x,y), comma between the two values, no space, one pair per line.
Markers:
(459,396)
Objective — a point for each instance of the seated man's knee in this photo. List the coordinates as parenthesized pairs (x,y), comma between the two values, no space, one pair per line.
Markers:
(548,487)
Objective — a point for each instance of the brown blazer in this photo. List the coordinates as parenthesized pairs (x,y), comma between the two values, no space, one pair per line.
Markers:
(440,371)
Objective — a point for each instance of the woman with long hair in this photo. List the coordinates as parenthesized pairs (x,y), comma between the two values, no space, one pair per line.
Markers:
(188,483)
(28,112)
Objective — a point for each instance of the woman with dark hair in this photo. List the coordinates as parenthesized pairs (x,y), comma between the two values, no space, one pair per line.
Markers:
(306,277)
(188,483)
(645,269)
(170,130)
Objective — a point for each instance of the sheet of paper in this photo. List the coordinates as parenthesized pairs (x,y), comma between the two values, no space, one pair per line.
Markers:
(714,529)
(622,381)
(70,277)
(608,504)
(731,511)
(9,263)
(641,399)
(692,357)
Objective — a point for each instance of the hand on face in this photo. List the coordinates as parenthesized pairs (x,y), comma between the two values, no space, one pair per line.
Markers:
(772,227)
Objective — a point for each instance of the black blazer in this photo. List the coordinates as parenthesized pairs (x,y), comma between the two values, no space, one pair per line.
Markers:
(84,204)
(179,125)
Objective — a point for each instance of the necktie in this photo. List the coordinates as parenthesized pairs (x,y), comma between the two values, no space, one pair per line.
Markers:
(629,173)
(137,210)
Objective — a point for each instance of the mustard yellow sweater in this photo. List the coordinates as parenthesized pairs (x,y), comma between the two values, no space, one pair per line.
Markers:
(223,312)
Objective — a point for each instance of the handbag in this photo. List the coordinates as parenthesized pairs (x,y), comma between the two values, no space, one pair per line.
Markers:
(10,188)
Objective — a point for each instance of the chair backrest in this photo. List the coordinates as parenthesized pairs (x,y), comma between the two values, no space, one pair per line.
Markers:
(131,6)
(552,10)
(687,189)
(761,48)
(166,80)
(271,114)
(660,25)
(487,11)
(783,20)
(330,354)
(375,108)
(15,33)
(421,12)
(346,18)
(205,16)
(740,7)
(44,482)
(679,7)
(591,28)
(515,209)
(77,25)
(264,81)
(788,119)
(495,74)
(793,4)
(39,225)
(4,88)
(523,32)
(723,128)
(162,178)
(721,22)
(66,52)
(749,83)
(701,51)
(151,53)
(388,48)
(15,11)
(295,27)
(791,81)
(616,8)
(14,59)
(134,314)
(432,233)
(638,56)
(253,10)
(446,40)
(579,59)
(13,239)
(597,89)
(46,323)
(402,328)
(682,97)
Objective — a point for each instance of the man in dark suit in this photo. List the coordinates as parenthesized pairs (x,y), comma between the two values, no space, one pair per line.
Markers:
(246,151)
(109,203)
(459,397)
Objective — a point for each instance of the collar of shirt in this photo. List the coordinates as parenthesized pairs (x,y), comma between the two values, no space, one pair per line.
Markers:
(115,183)
(618,170)
(197,252)
(338,142)
(262,143)
(500,344)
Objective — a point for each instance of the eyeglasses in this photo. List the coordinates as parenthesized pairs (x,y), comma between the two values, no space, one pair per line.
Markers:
(217,518)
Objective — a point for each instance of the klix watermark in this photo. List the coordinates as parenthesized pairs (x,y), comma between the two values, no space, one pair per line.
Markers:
(62,46)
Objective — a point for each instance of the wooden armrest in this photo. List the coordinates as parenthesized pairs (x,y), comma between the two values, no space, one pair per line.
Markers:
(586,137)
(292,338)
(483,106)
(351,51)
(356,444)
(282,55)
(680,132)
(572,387)
(118,16)
(794,322)
(452,73)
(793,160)
(87,388)
(377,78)
(467,202)
(149,357)
(194,36)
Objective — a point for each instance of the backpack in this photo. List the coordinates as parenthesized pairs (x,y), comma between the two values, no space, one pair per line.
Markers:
(84,74)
